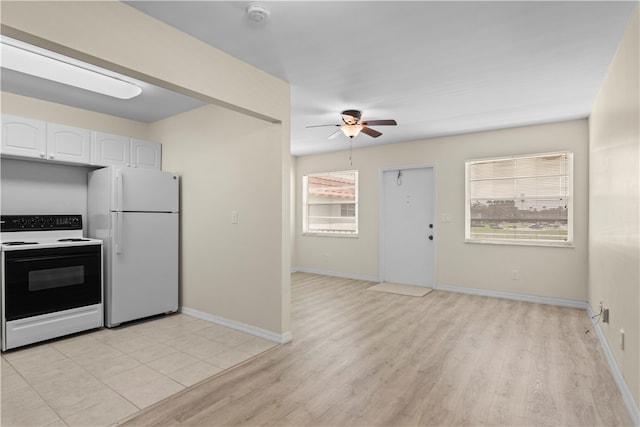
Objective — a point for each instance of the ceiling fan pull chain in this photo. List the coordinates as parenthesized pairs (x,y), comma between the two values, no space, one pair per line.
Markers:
(350,152)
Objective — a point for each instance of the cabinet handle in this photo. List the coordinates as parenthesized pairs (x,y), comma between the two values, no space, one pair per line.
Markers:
(41,154)
(51,156)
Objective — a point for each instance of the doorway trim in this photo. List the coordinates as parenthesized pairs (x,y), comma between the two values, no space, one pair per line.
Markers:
(381,216)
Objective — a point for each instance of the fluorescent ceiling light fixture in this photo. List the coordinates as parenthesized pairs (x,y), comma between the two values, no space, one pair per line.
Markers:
(37,62)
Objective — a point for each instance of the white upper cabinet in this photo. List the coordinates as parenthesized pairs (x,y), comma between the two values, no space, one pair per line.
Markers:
(36,139)
(146,154)
(24,137)
(110,150)
(68,144)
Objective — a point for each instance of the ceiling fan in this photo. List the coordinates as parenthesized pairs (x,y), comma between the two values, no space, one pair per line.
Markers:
(352,125)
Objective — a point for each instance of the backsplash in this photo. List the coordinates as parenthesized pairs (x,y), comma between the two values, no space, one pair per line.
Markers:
(35,188)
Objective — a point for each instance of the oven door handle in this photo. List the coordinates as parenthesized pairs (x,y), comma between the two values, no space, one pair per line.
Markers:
(118,233)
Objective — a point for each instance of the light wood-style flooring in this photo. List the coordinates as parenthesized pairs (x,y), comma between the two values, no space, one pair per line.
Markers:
(363,358)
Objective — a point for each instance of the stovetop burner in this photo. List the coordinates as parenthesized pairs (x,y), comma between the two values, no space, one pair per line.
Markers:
(19,243)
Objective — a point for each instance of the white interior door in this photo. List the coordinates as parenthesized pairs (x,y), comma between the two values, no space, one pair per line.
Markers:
(408,245)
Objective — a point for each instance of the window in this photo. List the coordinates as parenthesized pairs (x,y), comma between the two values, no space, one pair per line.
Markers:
(520,200)
(331,203)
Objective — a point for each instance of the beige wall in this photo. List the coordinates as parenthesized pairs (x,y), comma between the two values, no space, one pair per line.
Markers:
(56,113)
(614,221)
(116,36)
(228,161)
(544,271)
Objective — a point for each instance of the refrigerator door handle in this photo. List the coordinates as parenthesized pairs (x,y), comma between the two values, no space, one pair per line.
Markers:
(118,233)
(118,189)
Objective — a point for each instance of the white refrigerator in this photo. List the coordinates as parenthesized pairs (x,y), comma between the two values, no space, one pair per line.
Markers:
(135,212)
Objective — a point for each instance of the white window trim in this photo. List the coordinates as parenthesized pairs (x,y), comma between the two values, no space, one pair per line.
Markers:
(305,218)
(569,243)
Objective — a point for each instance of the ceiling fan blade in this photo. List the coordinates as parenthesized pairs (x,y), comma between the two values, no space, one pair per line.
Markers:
(371,132)
(389,122)
(319,126)
(336,133)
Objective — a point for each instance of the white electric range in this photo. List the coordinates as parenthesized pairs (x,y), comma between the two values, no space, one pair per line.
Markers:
(51,278)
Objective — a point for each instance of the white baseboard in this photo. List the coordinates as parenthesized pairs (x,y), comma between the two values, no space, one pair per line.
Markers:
(513,296)
(629,401)
(335,274)
(242,327)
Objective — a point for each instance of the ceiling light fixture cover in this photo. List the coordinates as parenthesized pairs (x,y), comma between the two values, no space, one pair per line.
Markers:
(258,12)
(351,130)
(17,57)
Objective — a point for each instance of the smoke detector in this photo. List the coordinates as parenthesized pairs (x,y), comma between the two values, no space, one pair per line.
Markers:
(258,12)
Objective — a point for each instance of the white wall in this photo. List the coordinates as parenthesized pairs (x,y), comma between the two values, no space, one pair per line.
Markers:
(33,188)
(614,221)
(544,271)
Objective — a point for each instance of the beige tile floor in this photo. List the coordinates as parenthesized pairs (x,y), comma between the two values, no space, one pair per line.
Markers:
(104,376)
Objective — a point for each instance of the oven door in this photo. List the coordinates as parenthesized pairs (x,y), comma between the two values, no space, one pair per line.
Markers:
(40,281)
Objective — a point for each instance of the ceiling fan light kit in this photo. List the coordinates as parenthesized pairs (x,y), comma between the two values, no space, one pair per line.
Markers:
(352,125)
(351,130)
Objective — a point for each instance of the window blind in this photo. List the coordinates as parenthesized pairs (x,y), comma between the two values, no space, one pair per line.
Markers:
(525,198)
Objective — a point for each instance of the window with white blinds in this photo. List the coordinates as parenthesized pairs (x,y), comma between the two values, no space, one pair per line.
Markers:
(520,200)
(330,203)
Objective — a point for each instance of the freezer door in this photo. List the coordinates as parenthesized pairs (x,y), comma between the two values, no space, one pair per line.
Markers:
(143,273)
(144,190)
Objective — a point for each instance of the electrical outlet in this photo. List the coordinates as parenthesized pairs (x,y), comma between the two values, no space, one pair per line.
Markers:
(234,217)
(605,315)
(515,274)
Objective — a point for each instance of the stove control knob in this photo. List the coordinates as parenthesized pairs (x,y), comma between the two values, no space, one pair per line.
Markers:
(51,221)
(32,222)
(22,222)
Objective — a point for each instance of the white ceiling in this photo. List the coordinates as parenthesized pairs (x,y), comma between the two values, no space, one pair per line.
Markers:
(438,68)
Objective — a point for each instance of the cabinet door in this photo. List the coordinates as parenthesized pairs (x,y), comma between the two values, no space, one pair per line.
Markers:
(146,154)
(110,150)
(23,137)
(68,144)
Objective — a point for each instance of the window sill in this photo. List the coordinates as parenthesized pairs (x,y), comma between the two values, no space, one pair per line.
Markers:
(521,243)
(350,236)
